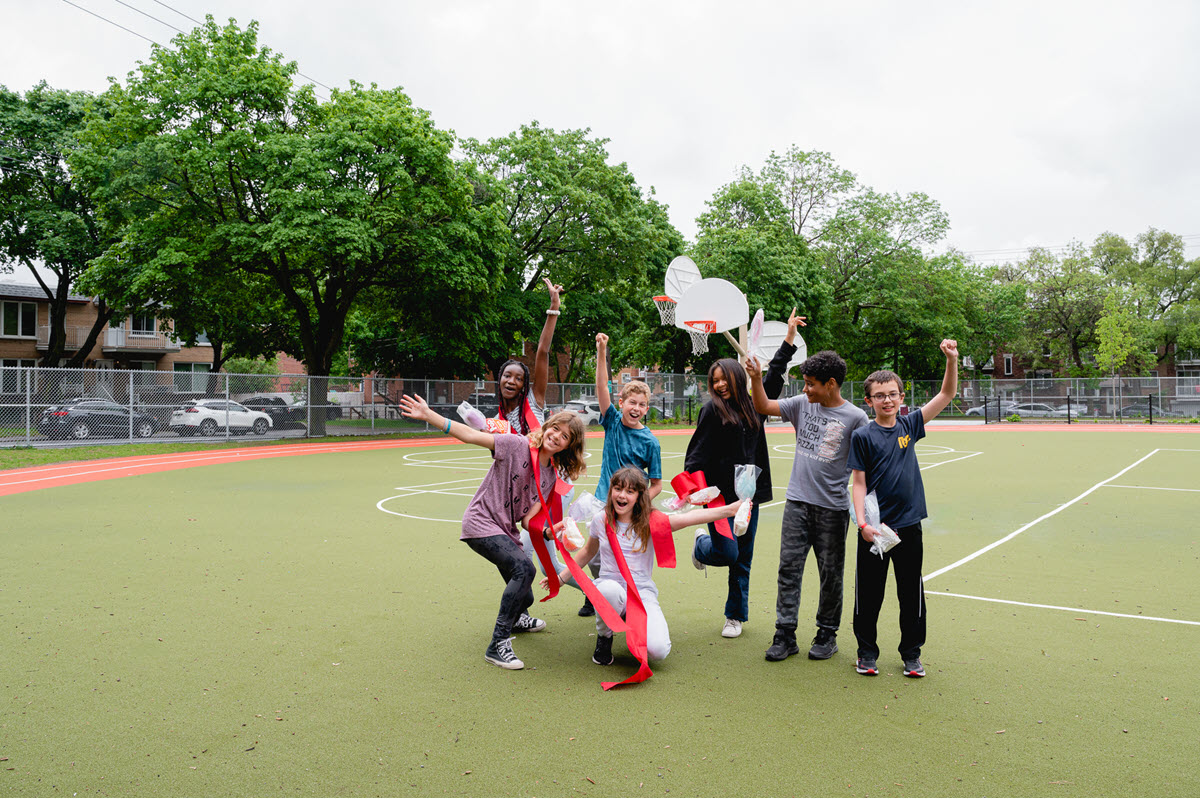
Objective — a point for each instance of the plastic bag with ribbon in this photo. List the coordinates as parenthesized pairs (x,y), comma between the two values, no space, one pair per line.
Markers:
(698,498)
(745,483)
(582,510)
(885,537)
(473,417)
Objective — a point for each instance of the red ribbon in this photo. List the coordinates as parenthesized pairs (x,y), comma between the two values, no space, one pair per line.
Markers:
(635,616)
(551,513)
(531,420)
(688,483)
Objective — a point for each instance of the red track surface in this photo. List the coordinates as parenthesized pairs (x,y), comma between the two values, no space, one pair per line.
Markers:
(16,481)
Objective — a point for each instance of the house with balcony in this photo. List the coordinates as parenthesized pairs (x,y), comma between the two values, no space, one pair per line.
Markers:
(138,343)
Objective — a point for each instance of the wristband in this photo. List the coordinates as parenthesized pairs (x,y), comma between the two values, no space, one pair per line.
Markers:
(447,431)
(552,312)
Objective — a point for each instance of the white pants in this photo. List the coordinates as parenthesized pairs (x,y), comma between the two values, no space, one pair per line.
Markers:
(658,638)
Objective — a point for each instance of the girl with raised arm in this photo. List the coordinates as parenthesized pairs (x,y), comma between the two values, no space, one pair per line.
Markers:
(523,470)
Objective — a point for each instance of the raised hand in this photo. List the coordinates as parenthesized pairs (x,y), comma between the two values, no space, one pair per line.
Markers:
(950,347)
(753,368)
(794,322)
(414,407)
(556,292)
(601,341)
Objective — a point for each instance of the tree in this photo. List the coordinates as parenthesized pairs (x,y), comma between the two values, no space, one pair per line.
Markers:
(46,214)
(1119,348)
(582,222)
(216,168)
(1065,303)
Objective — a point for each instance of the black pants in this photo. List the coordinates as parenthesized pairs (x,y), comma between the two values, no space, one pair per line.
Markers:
(870,582)
(518,572)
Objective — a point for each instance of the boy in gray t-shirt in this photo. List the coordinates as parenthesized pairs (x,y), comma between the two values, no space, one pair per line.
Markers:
(816,513)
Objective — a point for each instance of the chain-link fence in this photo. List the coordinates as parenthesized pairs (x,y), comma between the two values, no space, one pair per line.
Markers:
(60,407)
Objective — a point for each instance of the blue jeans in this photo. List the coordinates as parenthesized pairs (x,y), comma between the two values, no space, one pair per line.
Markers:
(736,553)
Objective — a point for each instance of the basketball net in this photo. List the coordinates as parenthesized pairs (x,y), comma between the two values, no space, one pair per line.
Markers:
(699,330)
(666,309)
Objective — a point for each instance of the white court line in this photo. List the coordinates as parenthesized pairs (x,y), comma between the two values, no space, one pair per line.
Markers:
(1042,518)
(952,460)
(1061,607)
(1154,488)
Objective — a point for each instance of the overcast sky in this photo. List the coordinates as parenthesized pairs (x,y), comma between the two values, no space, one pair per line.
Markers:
(1031,123)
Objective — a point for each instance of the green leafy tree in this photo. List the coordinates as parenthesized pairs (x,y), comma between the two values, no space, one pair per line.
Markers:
(1065,303)
(47,216)
(1119,347)
(582,222)
(209,157)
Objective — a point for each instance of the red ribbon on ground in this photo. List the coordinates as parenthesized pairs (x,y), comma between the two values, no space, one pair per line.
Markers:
(688,483)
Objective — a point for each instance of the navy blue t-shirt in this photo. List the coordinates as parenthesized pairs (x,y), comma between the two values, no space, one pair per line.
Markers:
(888,456)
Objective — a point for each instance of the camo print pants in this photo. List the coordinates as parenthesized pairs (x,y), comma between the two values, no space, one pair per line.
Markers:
(822,530)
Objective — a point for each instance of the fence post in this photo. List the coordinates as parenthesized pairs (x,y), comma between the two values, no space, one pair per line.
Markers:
(129,404)
(28,403)
(227,408)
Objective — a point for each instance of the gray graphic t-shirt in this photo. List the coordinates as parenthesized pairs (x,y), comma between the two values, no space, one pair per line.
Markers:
(820,474)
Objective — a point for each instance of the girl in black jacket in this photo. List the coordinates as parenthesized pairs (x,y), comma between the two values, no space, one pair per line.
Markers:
(729,432)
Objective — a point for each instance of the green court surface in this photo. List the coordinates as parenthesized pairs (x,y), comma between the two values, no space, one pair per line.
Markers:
(312,626)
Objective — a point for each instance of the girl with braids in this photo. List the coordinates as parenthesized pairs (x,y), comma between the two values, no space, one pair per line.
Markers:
(729,432)
(523,471)
(522,395)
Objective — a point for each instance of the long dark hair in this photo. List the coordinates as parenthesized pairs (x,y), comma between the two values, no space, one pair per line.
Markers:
(521,395)
(632,478)
(739,408)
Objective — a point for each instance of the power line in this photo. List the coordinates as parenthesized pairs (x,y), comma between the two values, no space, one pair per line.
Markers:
(180,30)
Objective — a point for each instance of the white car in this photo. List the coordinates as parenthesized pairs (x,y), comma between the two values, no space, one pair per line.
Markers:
(207,416)
(588,410)
(1036,409)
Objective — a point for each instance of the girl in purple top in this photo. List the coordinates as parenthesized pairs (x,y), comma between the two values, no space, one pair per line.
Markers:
(491,523)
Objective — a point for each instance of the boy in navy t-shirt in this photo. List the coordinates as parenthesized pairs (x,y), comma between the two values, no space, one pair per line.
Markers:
(883,459)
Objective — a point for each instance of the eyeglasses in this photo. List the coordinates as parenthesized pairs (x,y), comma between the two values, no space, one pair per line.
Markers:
(895,395)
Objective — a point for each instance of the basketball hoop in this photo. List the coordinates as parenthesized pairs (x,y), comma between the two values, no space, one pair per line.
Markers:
(666,309)
(699,330)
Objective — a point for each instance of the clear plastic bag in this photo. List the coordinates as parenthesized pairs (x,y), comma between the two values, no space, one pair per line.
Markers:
(581,511)
(745,483)
(696,498)
(885,537)
(472,417)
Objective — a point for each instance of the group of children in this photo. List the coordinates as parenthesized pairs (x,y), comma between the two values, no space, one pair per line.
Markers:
(516,516)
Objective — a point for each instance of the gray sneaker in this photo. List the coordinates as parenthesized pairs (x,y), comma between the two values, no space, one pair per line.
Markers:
(913,667)
(783,646)
(866,666)
(824,645)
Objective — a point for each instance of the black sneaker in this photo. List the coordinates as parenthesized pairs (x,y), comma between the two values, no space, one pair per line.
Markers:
(528,624)
(913,667)
(587,609)
(603,655)
(783,645)
(824,645)
(866,666)
(501,653)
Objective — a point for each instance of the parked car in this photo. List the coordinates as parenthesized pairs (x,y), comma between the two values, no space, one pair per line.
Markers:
(85,417)
(1141,410)
(300,411)
(280,412)
(1006,407)
(207,416)
(1036,410)
(588,409)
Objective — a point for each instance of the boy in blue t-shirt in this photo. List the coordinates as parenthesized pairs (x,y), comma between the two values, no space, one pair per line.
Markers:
(883,459)
(627,442)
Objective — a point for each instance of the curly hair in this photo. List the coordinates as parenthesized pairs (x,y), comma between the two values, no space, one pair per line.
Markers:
(824,366)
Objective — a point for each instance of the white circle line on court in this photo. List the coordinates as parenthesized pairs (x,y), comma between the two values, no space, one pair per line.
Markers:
(379,505)
(1063,607)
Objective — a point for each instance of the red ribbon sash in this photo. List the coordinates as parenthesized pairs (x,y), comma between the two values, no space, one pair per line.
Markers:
(531,420)
(550,515)
(635,615)
(686,484)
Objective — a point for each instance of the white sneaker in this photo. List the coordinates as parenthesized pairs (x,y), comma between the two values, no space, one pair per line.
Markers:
(733,628)
(699,532)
